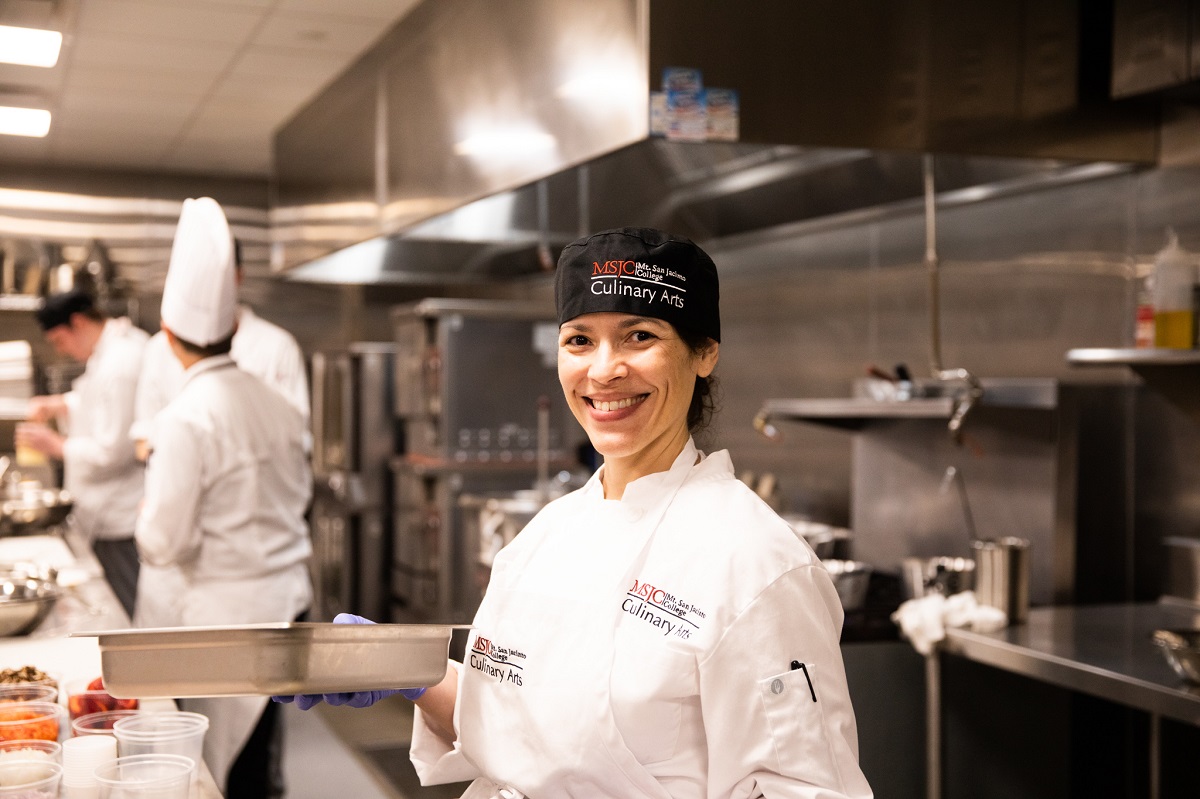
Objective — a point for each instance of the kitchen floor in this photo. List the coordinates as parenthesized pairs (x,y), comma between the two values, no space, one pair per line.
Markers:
(352,752)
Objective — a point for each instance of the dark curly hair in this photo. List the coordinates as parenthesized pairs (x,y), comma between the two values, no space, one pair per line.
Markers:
(703,405)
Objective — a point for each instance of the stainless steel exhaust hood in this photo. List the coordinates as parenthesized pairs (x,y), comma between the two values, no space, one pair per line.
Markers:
(479,135)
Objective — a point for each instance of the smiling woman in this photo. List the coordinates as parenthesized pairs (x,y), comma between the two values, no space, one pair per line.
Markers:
(660,632)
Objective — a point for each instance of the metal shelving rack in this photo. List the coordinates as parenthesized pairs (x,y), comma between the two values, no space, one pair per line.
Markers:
(854,413)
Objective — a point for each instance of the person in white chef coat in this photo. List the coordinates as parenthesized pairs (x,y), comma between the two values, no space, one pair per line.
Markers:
(660,632)
(92,420)
(227,484)
(260,347)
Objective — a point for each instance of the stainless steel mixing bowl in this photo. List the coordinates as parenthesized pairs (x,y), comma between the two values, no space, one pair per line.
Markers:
(35,513)
(25,601)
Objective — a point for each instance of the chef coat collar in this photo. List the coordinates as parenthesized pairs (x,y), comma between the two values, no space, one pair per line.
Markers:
(645,492)
(207,365)
(112,330)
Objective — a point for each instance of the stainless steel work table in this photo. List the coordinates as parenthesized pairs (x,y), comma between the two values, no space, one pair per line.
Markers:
(1101,650)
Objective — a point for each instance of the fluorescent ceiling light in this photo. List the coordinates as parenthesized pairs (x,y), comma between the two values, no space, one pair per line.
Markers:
(29,46)
(24,121)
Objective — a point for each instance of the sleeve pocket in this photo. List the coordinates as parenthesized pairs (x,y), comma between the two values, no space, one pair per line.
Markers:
(795,716)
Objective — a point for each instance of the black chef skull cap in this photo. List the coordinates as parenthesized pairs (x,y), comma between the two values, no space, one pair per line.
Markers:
(57,309)
(640,271)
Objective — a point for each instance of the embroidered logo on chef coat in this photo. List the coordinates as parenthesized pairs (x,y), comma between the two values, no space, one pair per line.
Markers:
(497,662)
(662,610)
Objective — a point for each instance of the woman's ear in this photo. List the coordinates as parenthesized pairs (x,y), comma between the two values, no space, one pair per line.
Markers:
(706,361)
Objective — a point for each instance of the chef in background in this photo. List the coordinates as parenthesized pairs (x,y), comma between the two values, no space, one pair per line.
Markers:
(99,467)
(259,347)
(227,484)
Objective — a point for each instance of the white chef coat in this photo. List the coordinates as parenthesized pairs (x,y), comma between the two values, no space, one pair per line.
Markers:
(227,485)
(228,481)
(99,467)
(259,347)
(644,648)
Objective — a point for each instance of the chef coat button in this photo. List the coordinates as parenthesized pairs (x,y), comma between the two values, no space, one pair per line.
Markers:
(635,513)
(776,686)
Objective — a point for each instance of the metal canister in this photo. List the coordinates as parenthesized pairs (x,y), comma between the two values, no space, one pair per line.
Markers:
(1002,575)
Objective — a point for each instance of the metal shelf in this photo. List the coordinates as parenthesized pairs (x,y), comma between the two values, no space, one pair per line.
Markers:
(1104,356)
(853,413)
(1170,373)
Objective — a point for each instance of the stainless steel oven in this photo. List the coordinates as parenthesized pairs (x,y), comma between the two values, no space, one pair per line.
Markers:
(476,394)
(353,443)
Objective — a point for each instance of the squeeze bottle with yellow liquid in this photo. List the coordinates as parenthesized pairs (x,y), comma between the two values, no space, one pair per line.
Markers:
(1174,276)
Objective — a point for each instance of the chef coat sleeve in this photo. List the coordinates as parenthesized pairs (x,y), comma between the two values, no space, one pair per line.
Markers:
(105,446)
(436,761)
(167,532)
(774,730)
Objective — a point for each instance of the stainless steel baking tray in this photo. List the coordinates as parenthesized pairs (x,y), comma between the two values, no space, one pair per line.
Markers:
(271,659)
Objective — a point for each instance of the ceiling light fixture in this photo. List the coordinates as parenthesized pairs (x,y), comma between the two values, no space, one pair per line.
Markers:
(31,47)
(33,122)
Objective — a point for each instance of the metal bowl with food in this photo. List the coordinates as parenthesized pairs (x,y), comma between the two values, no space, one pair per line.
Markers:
(35,512)
(1181,648)
(850,578)
(25,601)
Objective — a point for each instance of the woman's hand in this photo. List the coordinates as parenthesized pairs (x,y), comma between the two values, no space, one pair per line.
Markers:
(352,698)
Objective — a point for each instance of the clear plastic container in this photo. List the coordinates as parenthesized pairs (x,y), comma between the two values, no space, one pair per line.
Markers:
(28,692)
(25,720)
(30,780)
(30,749)
(158,776)
(99,723)
(169,733)
(83,700)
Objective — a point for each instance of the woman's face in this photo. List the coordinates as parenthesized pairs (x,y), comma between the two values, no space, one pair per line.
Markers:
(629,381)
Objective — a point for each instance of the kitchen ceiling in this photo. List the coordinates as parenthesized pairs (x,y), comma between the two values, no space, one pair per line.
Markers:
(181,86)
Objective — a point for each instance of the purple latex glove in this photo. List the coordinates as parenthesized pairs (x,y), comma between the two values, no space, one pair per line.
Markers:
(355,698)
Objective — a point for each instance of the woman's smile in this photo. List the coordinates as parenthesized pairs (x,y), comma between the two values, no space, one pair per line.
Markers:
(611,405)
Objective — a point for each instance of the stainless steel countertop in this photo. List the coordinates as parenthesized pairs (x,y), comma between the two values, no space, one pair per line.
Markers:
(1101,650)
(90,606)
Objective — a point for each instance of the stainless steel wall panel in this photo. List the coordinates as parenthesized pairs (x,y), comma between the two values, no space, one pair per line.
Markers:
(484,96)
(325,173)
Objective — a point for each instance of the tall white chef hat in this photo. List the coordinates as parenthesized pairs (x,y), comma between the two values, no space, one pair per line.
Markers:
(199,301)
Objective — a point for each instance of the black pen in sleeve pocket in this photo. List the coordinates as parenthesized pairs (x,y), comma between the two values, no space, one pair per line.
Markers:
(798,665)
